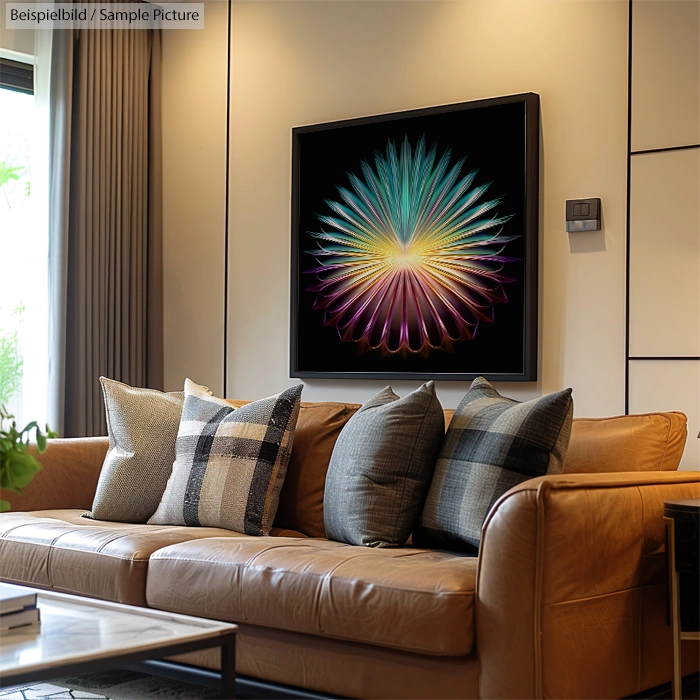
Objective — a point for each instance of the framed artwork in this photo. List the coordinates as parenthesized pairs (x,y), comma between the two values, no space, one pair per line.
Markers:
(415,244)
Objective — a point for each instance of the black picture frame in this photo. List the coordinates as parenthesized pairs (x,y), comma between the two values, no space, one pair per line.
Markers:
(524,326)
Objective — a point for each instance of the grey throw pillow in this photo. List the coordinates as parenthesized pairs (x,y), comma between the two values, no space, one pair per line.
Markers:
(381,467)
(493,443)
(142,426)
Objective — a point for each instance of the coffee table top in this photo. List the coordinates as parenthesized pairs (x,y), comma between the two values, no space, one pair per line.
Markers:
(77,629)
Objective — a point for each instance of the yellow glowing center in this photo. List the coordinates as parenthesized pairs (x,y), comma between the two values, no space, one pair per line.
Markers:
(406,256)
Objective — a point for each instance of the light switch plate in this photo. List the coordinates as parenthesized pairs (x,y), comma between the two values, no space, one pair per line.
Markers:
(583,214)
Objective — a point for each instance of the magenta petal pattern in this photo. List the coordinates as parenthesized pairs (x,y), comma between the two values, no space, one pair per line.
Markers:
(411,258)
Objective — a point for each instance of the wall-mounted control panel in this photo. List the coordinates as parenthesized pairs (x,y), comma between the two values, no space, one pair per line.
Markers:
(583,214)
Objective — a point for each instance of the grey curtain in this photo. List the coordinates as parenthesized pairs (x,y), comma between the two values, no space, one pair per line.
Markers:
(105,241)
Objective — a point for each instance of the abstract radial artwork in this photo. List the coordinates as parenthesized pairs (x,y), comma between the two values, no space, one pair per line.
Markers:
(413,257)
(414,250)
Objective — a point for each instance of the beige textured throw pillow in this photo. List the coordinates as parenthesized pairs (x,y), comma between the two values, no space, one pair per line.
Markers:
(230,463)
(142,426)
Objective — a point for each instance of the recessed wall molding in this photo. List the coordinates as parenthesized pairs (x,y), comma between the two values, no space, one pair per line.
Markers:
(665,150)
(664,357)
(663,213)
(669,386)
(666,74)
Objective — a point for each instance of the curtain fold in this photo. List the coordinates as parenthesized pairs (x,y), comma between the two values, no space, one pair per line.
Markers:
(106,231)
(56,56)
(154,276)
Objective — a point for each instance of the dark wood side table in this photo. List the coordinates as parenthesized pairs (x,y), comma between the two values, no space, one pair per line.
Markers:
(682,520)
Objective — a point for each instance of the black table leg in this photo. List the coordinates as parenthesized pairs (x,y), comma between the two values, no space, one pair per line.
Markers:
(228,667)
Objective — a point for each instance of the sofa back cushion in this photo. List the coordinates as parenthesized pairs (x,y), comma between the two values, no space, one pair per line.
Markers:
(597,445)
(301,499)
(644,442)
(318,427)
(637,443)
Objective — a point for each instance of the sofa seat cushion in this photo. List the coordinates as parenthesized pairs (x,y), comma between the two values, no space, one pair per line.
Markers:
(411,599)
(61,550)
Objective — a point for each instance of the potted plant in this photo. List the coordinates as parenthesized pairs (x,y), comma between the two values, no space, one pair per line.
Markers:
(17,465)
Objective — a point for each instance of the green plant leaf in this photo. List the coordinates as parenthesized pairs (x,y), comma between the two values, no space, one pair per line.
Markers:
(11,366)
(22,467)
(17,465)
(4,506)
(9,172)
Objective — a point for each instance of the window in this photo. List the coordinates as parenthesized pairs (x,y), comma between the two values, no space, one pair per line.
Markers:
(16,76)
(23,251)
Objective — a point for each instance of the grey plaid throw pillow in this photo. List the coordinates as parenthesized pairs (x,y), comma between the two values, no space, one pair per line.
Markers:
(381,467)
(230,463)
(493,443)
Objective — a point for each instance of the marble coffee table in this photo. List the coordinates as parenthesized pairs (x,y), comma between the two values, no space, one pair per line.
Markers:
(79,635)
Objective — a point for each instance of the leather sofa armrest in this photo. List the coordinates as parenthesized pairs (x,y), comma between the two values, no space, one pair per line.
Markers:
(71,468)
(571,588)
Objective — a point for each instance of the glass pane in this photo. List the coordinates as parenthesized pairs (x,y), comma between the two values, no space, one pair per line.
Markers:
(23,265)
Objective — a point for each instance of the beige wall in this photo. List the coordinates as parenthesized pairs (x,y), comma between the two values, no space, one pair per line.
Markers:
(20,40)
(194,176)
(306,62)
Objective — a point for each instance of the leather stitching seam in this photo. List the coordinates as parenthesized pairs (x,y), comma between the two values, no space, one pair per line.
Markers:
(542,491)
(668,438)
(602,595)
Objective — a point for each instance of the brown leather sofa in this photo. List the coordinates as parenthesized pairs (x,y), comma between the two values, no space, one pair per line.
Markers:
(566,598)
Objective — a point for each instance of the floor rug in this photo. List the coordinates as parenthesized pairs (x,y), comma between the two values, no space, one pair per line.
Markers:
(111,685)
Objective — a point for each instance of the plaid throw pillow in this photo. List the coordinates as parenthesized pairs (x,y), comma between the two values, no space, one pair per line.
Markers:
(493,443)
(229,463)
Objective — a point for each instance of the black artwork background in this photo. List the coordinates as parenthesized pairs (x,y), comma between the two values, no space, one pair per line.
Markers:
(493,140)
